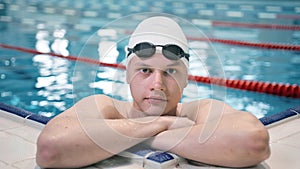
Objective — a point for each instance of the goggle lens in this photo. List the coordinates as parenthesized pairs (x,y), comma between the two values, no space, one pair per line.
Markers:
(146,50)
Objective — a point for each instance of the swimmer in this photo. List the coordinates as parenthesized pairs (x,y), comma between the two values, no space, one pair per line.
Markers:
(98,126)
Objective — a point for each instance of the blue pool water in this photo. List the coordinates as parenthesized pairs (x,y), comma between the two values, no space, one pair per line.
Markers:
(47,85)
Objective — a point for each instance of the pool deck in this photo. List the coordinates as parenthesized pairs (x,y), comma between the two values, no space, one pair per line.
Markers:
(18,143)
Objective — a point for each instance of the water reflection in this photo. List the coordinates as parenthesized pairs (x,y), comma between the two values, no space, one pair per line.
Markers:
(60,43)
(109,81)
(42,37)
(53,81)
(258,106)
(107,46)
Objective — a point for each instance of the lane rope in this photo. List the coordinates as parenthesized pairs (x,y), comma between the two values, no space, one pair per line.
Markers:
(249,44)
(255,25)
(279,89)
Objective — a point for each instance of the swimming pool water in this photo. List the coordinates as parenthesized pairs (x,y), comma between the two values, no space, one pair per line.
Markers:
(47,85)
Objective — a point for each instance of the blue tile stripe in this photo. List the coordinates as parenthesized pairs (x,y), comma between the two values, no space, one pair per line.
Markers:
(24,113)
(280,116)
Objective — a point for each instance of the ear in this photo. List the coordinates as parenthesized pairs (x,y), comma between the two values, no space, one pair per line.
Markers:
(127,77)
(186,80)
(185,83)
(129,74)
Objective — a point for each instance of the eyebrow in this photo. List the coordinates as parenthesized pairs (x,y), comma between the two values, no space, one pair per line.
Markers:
(143,64)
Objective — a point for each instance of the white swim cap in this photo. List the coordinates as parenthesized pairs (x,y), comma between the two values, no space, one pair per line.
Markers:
(159,30)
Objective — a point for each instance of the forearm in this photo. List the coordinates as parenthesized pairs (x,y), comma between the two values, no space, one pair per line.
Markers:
(116,135)
(63,146)
(231,144)
(67,142)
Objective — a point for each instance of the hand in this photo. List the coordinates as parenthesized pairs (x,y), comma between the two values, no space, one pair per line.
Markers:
(176,130)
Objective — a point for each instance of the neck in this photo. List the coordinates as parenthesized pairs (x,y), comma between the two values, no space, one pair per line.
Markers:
(136,112)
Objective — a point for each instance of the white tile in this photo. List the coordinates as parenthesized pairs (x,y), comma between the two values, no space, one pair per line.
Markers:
(27,163)
(27,133)
(10,120)
(292,140)
(6,166)
(283,156)
(15,148)
(116,162)
(7,123)
(284,130)
(34,124)
(2,164)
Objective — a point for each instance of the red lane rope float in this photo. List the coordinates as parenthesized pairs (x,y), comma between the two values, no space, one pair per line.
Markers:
(249,44)
(278,89)
(254,25)
(69,57)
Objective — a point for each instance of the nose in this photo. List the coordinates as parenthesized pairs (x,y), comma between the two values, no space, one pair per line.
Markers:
(158,80)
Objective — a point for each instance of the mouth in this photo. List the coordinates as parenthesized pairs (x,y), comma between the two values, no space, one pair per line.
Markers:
(156,99)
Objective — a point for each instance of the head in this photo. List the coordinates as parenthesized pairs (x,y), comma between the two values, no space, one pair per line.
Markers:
(157,65)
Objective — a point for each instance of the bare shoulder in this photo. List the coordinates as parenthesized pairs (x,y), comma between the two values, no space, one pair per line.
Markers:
(192,109)
(112,108)
(196,105)
(199,109)
(95,106)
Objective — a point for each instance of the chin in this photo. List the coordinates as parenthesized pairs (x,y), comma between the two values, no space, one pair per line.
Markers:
(155,111)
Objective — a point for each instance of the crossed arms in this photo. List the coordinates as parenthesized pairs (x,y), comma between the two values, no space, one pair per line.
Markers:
(88,132)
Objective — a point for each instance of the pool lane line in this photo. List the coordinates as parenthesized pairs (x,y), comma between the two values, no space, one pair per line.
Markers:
(249,44)
(279,89)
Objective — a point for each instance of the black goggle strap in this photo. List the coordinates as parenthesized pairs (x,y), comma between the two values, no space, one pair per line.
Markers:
(130,51)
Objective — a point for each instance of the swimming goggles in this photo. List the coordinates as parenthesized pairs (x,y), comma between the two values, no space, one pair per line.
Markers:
(147,49)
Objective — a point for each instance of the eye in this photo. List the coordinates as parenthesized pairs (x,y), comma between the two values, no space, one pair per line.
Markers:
(171,71)
(145,70)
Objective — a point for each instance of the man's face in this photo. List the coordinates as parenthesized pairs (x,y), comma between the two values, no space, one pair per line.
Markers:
(156,84)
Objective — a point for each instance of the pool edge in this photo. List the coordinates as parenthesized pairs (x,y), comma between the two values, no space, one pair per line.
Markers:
(268,121)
